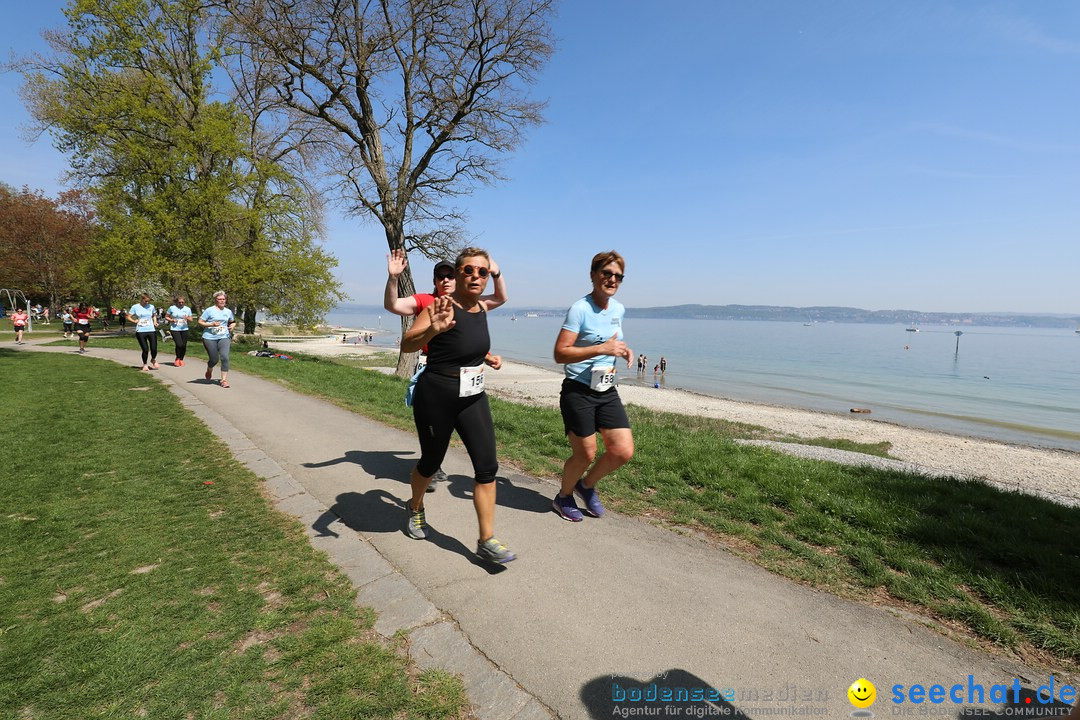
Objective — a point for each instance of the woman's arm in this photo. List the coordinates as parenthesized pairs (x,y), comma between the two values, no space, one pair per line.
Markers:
(499,297)
(566,352)
(395,265)
(438,319)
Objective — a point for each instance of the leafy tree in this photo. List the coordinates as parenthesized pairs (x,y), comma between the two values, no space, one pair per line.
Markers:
(183,201)
(413,101)
(41,242)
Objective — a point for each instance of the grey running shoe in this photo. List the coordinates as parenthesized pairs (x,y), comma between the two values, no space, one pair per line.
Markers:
(438,477)
(494,551)
(416,527)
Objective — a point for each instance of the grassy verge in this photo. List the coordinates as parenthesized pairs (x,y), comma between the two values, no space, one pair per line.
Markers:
(999,567)
(142,573)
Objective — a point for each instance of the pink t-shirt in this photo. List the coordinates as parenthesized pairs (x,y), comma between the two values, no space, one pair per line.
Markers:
(19,318)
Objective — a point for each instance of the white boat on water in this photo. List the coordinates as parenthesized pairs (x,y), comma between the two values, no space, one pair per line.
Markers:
(532,315)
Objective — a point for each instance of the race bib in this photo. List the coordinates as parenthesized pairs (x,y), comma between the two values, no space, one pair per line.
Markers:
(220,329)
(144,323)
(84,321)
(471,381)
(181,322)
(603,378)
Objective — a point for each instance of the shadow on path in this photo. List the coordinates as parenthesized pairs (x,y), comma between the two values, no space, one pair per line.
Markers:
(671,694)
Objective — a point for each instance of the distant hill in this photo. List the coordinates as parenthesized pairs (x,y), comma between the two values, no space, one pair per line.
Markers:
(852,315)
(804,314)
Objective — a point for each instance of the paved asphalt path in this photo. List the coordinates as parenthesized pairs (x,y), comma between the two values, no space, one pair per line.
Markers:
(589,610)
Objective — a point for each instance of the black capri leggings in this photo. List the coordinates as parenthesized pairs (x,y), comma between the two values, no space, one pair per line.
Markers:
(179,338)
(148,343)
(438,411)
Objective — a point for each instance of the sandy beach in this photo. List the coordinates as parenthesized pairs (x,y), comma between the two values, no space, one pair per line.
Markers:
(1040,471)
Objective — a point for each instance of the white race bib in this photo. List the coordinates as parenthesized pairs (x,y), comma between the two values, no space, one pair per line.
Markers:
(603,378)
(219,329)
(181,322)
(84,321)
(471,381)
(144,322)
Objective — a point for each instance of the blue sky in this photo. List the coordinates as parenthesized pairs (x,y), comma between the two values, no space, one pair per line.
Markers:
(918,155)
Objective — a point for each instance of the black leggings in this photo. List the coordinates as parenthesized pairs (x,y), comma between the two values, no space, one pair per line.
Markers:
(179,339)
(438,411)
(148,343)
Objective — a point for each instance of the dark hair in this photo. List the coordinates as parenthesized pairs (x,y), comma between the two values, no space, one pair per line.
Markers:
(605,258)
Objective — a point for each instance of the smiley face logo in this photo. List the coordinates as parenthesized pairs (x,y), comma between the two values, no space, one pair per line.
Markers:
(862,693)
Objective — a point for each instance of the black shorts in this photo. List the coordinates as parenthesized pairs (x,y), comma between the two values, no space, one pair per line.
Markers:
(19,327)
(83,330)
(68,327)
(584,410)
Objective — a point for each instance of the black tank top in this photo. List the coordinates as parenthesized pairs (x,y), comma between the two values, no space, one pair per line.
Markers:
(464,345)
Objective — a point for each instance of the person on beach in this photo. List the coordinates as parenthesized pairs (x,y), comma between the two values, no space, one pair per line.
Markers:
(69,322)
(179,317)
(219,322)
(443,277)
(663,365)
(589,345)
(450,396)
(82,325)
(144,315)
(19,318)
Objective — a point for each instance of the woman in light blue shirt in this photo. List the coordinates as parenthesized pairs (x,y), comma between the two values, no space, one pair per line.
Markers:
(590,345)
(218,322)
(179,317)
(144,315)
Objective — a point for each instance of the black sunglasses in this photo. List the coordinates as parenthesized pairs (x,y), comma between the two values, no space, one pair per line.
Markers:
(469,270)
(607,275)
(444,275)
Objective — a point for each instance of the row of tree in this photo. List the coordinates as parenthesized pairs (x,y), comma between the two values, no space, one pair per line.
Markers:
(205,132)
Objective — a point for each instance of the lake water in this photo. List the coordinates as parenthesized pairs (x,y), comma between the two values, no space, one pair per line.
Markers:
(1011,384)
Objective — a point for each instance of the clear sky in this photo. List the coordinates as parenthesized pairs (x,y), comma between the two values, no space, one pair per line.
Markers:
(920,155)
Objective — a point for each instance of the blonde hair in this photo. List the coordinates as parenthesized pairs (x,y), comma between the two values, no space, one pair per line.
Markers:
(468,253)
(220,293)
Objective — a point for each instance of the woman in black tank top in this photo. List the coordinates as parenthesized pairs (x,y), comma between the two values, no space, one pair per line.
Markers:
(450,396)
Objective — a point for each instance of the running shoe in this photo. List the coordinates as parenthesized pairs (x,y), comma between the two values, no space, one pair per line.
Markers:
(416,527)
(589,497)
(439,476)
(567,508)
(494,551)
(155,366)
(144,369)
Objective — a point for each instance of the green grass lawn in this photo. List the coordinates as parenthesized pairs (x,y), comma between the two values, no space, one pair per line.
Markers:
(143,573)
(1000,567)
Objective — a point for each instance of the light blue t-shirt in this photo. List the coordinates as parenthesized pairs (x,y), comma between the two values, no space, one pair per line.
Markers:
(180,317)
(593,327)
(144,317)
(212,314)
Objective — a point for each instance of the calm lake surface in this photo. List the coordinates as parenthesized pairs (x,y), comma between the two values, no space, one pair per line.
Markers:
(1017,385)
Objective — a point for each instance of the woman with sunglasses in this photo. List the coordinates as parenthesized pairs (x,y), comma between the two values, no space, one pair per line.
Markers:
(589,345)
(443,277)
(179,317)
(450,396)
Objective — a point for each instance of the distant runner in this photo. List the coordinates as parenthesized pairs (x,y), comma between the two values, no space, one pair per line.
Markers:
(144,315)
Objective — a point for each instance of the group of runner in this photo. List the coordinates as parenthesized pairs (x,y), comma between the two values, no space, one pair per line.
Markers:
(447,391)
(217,322)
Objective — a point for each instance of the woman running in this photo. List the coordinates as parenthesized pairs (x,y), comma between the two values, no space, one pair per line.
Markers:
(219,323)
(19,318)
(445,282)
(82,325)
(590,341)
(69,322)
(179,315)
(144,315)
(450,396)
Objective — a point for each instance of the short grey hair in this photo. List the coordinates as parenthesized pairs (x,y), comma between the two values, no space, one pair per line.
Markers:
(219,293)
